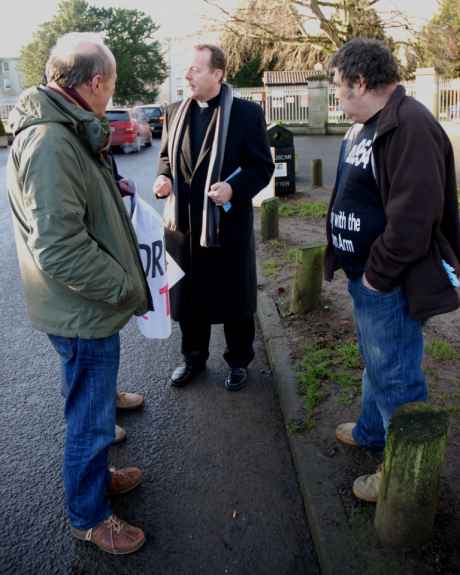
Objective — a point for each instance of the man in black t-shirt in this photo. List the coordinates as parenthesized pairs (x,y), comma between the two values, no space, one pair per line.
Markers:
(393,227)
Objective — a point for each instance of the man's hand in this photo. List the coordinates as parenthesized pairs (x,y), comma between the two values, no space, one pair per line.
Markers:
(220,193)
(162,187)
(126,187)
(367,284)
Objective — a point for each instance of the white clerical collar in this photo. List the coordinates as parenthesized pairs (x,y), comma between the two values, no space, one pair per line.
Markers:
(202,104)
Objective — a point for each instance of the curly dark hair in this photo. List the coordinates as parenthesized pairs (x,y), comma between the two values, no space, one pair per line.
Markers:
(366,58)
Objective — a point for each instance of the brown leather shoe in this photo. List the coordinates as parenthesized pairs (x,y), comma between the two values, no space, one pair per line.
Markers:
(126,400)
(113,536)
(123,480)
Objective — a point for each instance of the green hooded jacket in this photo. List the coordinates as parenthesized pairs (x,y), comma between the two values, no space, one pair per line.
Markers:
(76,247)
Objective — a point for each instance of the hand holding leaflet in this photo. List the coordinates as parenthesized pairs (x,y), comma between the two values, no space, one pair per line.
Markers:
(228,205)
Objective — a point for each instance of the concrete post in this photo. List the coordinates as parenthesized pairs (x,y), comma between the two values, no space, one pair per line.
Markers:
(318,106)
(317,173)
(427,89)
(308,279)
(409,488)
(269,219)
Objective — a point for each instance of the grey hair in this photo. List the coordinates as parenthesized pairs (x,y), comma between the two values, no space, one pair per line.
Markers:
(77,57)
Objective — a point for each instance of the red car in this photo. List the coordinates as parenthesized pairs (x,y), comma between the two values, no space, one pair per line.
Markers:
(130,131)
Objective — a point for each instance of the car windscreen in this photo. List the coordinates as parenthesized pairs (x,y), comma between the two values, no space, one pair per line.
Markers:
(152,112)
(117,116)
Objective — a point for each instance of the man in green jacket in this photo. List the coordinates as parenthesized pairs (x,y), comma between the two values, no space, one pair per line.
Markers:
(80,267)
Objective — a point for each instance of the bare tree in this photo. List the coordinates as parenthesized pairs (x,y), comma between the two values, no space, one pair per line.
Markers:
(298,33)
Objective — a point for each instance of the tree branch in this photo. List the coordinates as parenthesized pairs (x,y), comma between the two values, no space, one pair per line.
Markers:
(324,23)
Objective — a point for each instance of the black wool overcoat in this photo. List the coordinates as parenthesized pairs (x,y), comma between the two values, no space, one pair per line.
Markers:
(220,283)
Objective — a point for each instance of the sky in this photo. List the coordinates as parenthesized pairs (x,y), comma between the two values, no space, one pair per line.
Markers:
(175,17)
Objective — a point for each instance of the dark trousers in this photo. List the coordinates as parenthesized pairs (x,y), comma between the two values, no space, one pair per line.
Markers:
(239,336)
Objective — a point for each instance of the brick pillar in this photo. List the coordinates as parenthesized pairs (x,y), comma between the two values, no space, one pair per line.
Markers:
(318,106)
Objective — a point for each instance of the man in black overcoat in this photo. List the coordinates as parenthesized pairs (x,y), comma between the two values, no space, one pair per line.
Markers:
(207,139)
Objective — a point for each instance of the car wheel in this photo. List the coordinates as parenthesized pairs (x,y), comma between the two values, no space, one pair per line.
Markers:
(126,148)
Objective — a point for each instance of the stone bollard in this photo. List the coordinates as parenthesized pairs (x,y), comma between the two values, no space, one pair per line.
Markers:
(408,493)
(317,173)
(269,219)
(308,279)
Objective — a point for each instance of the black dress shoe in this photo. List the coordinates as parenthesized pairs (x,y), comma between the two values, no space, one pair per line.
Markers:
(185,373)
(236,379)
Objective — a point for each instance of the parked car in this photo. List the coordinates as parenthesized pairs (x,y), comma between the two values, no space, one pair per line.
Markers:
(154,116)
(130,131)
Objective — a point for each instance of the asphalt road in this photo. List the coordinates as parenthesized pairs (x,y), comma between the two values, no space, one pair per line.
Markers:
(308,148)
(220,494)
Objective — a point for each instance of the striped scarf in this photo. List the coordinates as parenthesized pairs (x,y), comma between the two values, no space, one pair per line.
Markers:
(211,213)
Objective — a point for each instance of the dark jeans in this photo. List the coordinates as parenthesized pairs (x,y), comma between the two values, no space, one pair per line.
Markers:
(239,336)
(90,368)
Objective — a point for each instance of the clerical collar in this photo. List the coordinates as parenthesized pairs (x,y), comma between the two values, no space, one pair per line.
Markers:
(212,103)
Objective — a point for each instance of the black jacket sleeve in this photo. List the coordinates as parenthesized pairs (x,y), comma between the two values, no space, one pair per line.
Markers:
(256,160)
(414,164)
(164,167)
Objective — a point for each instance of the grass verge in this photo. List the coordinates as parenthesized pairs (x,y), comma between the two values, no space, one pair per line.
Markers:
(326,368)
(303,209)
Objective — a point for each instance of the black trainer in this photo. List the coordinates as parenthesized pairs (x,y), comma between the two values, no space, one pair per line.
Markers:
(185,373)
(236,379)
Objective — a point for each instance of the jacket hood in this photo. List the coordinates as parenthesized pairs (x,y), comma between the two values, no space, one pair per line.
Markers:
(41,105)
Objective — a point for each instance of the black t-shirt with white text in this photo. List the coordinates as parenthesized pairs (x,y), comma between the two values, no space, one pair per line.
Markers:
(357,216)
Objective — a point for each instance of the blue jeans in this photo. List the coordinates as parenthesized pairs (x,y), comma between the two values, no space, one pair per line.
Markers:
(391,344)
(90,368)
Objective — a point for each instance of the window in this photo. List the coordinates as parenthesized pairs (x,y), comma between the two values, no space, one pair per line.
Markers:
(6,84)
(152,112)
(139,115)
(117,115)
(6,67)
